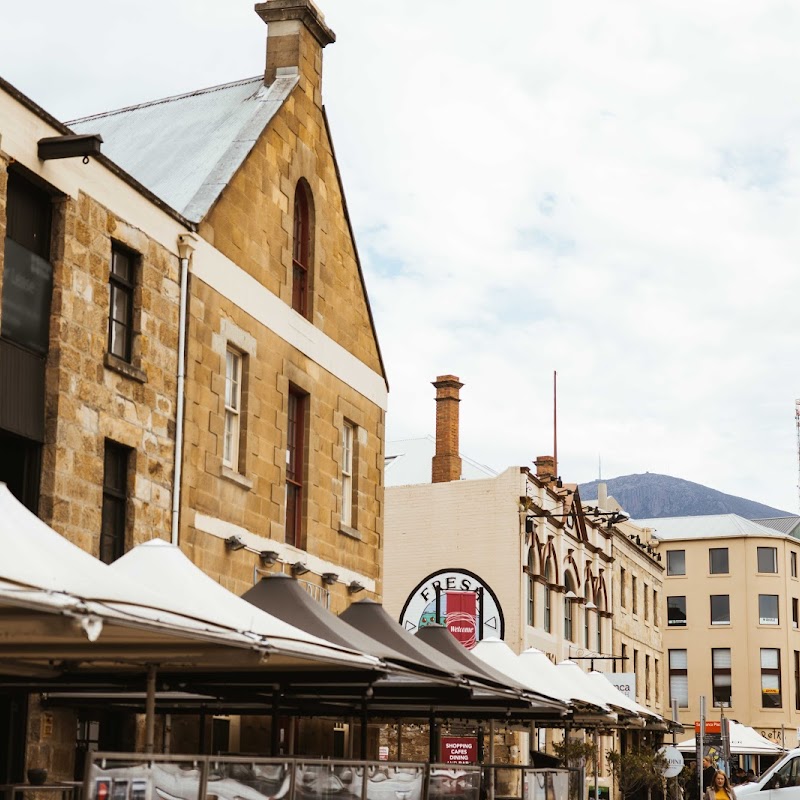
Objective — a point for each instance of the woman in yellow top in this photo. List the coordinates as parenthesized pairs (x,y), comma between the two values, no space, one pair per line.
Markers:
(720,788)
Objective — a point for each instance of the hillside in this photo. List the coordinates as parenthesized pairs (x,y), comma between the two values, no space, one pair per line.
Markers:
(651,495)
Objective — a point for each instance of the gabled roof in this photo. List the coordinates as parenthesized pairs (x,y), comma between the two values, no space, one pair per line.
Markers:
(787,525)
(408,462)
(706,527)
(185,149)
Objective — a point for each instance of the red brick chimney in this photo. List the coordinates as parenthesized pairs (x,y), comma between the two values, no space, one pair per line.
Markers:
(446,464)
(545,468)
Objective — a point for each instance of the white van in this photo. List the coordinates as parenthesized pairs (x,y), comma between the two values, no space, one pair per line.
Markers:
(780,782)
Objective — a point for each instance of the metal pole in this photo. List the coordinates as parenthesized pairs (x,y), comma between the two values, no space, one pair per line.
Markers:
(274,745)
(676,792)
(702,746)
(491,760)
(596,760)
(399,741)
(150,711)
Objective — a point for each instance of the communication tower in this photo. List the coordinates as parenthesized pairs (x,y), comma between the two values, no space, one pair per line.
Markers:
(797,424)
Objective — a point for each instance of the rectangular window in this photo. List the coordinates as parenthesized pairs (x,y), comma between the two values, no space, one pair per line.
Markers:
(771,678)
(793,563)
(623,601)
(655,608)
(348,440)
(720,609)
(718,560)
(676,612)
(721,676)
(768,609)
(658,681)
(797,680)
(634,596)
(233,406)
(636,670)
(120,315)
(679,678)
(115,501)
(794,612)
(646,677)
(676,562)
(767,559)
(295,440)
(646,596)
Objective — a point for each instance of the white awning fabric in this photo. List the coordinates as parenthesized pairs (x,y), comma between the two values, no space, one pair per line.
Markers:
(744,741)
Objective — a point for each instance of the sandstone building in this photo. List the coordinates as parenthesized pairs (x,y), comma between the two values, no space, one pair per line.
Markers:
(186,344)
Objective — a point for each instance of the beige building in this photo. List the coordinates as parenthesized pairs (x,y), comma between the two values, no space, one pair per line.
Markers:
(730,613)
(186,345)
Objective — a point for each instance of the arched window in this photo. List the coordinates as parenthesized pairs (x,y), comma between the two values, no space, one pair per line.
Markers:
(548,571)
(569,586)
(601,604)
(531,589)
(587,595)
(301,249)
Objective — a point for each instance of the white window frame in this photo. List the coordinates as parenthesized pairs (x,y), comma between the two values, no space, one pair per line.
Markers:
(348,445)
(233,408)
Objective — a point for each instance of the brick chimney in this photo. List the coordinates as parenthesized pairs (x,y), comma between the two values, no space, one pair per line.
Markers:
(446,465)
(296,34)
(545,468)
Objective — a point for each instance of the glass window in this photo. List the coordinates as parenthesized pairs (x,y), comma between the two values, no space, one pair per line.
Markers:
(301,249)
(568,633)
(295,472)
(721,676)
(623,600)
(646,677)
(720,609)
(793,563)
(115,501)
(120,316)
(587,596)
(797,680)
(771,678)
(233,404)
(548,623)
(676,562)
(767,559)
(794,612)
(646,596)
(676,612)
(718,560)
(679,678)
(531,588)
(348,440)
(634,596)
(768,609)
(655,608)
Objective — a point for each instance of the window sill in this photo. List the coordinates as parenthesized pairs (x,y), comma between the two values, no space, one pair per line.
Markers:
(116,364)
(351,532)
(236,477)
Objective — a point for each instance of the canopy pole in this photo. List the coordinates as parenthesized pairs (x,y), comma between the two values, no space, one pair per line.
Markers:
(274,734)
(399,740)
(491,760)
(596,760)
(150,711)
(292,733)
(432,739)
(364,730)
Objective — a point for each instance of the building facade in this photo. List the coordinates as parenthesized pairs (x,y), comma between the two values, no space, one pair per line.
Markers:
(186,345)
(730,611)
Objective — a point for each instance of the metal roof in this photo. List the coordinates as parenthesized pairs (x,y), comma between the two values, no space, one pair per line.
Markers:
(408,462)
(185,149)
(787,525)
(706,527)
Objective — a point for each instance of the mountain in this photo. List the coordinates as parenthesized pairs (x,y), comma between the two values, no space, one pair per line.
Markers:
(652,495)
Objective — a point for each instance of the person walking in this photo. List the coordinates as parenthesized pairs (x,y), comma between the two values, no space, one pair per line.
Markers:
(709,773)
(720,788)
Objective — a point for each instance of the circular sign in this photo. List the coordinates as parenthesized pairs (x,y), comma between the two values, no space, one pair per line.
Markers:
(457,599)
(674,759)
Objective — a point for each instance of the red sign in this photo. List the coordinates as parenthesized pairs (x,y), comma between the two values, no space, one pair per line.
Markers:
(712,726)
(459,750)
(461,615)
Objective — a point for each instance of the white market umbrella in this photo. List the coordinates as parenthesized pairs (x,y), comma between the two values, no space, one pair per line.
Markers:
(744,740)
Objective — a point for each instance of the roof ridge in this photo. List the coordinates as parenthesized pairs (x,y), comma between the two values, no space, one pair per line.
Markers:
(163,100)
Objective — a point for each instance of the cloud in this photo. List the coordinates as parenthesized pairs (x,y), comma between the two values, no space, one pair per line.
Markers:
(611,191)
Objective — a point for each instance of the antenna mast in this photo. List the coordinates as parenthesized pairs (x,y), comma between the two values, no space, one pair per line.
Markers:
(797,424)
(555,424)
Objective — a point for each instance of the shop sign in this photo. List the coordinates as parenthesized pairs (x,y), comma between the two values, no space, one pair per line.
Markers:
(458,599)
(674,761)
(459,750)
(624,682)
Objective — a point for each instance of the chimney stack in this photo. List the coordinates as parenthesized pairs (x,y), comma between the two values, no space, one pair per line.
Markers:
(602,494)
(296,34)
(545,468)
(446,464)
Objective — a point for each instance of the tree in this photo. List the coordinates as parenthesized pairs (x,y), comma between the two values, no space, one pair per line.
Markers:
(637,770)
(574,752)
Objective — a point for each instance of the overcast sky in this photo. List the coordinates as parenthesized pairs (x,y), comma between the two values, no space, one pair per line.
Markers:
(610,190)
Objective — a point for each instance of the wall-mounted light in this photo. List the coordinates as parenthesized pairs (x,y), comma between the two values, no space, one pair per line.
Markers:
(354,587)
(299,568)
(268,557)
(234,543)
(329,578)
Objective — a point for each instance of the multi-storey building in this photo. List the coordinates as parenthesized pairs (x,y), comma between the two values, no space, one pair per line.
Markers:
(186,345)
(730,611)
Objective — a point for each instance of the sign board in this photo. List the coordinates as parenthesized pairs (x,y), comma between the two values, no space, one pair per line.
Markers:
(459,750)
(458,599)
(624,682)
(674,759)
(713,746)
(383,753)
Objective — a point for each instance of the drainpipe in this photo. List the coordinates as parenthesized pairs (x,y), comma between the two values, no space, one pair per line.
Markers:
(186,243)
